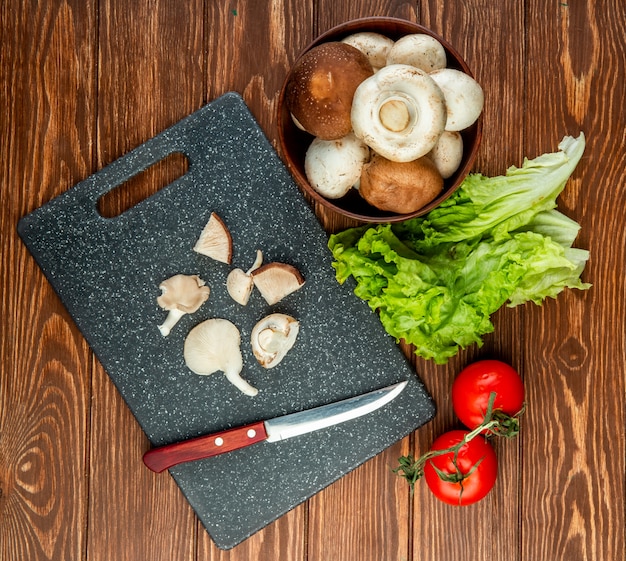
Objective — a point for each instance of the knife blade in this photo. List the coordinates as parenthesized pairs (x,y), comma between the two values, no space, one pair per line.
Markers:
(280,428)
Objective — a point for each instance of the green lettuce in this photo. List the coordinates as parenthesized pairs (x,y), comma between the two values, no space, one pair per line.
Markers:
(436,280)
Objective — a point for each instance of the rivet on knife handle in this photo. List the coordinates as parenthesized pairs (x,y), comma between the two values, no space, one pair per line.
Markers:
(164,457)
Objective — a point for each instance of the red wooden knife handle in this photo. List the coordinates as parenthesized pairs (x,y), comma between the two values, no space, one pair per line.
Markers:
(164,457)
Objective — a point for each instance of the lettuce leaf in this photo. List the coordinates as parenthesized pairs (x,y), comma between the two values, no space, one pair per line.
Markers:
(436,280)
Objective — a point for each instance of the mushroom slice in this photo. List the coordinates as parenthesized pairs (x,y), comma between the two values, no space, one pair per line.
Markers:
(399,112)
(272,337)
(215,345)
(215,240)
(419,50)
(464,97)
(239,284)
(180,295)
(277,280)
(334,166)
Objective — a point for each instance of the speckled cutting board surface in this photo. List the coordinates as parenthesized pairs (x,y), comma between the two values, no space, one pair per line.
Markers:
(107,272)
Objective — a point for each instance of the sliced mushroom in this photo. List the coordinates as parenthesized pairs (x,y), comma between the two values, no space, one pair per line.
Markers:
(215,240)
(401,187)
(464,97)
(180,295)
(320,89)
(277,280)
(334,166)
(239,284)
(272,337)
(419,50)
(373,45)
(447,153)
(215,345)
(399,112)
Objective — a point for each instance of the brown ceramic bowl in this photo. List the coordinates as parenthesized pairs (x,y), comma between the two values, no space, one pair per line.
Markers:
(294,142)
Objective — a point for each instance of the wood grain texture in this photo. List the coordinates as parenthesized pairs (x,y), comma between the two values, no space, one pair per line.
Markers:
(82,83)
(574,449)
(45,366)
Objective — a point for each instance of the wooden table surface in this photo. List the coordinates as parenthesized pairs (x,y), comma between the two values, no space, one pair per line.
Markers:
(85,81)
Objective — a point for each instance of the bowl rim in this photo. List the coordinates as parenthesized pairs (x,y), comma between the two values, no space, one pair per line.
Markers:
(347,28)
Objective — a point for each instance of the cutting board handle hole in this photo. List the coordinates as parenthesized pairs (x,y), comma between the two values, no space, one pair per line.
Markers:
(144,184)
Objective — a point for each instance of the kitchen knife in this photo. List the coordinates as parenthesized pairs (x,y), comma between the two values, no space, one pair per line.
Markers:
(279,428)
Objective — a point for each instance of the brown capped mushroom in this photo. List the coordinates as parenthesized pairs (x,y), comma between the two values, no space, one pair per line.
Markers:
(321,86)
(215,345)
(277,280)
(215,240)
(401,187)
(180,295)
(272,337)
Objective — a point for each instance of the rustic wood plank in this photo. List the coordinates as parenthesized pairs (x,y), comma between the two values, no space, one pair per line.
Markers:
(265,38)
(473,534)
(45,365)
(573,463)
(151,75)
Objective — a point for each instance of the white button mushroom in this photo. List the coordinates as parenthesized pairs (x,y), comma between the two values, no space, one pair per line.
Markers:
(334,166)
(399,112)
(272,337)
(419,50)
(214,345)
(373,45)
(447,153)
(180,295)
(464,97)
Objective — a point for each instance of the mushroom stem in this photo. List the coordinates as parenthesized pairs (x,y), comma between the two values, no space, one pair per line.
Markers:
(271,340)
(397,113)
(236,380)
(257,262)
(170,321)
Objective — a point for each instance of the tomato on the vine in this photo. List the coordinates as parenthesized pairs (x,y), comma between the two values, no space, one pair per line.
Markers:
(472,389)
(466,477)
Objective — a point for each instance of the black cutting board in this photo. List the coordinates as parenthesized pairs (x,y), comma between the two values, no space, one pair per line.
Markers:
(107,272)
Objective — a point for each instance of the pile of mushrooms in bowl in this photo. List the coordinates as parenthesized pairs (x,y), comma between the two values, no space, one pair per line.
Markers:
(380,119)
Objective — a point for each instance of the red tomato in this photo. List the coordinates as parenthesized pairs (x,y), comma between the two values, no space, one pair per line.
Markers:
(477,469)
(475,383)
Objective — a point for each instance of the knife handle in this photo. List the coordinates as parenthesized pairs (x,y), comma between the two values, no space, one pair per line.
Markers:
(164,457)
